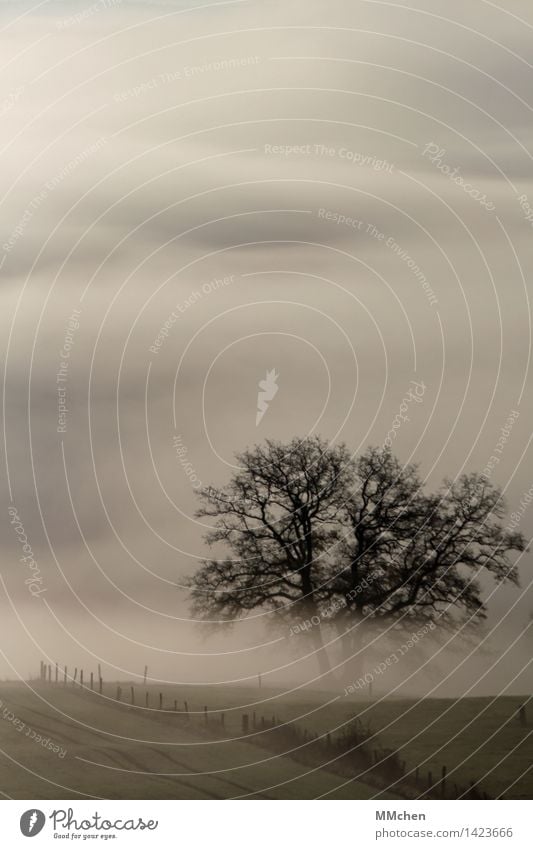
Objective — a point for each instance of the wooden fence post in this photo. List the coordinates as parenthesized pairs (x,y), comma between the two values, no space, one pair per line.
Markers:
(65,677)
(92,681)
(100,685)
(186,710)
(132,695)
(205,714)
(75,675)
(443,782)
(222,720)
(145,675)
(119,693)
(57,672)
(245,723)
(160,701)
(49,673)
(81,677)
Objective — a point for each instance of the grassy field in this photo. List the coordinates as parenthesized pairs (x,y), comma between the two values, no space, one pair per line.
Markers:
(62,742)
(477,739)
(115,751)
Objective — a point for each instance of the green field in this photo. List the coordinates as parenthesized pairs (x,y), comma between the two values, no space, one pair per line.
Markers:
(91,746)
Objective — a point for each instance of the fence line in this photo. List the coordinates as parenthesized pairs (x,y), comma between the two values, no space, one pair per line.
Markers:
(346,752)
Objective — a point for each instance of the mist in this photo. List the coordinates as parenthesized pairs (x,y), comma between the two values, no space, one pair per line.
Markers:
(195,194)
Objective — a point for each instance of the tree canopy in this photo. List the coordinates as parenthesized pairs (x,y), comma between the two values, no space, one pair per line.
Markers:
(356,546)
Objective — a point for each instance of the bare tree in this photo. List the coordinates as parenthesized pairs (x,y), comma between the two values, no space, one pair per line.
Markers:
(386,507)
(413,558)
(357,547)
(278,517)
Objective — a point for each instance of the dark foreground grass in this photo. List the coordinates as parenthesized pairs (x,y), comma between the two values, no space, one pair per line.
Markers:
(65,743)
(123,751)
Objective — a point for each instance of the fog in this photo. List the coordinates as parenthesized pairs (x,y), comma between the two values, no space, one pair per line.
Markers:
(275,173)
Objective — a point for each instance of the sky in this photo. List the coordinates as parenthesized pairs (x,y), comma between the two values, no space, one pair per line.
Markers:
(195,194)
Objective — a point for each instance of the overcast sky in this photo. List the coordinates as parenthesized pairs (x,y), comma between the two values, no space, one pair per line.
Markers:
(338,191)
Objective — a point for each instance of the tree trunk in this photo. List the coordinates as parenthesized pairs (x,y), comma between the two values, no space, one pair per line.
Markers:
(324,665)
(312,614)
(353,654)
